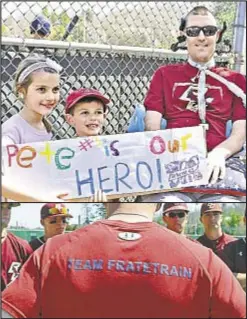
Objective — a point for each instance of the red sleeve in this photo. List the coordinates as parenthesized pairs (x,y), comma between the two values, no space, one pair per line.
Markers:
(154,100)
(239,111)
(228,298)
(21,299)
(27,247)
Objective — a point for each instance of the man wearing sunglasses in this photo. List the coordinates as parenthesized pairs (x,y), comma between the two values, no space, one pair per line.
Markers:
(214,237)
(125,266)
(200,93)
(54,217)
(175,216)
(14,250)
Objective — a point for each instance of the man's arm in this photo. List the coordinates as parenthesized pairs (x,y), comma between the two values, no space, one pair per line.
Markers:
(227,302)
(21,299)
(152,121)
(233,144)
(154,102)
(236,140)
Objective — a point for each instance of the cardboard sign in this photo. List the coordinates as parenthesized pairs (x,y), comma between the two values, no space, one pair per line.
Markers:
(131,163)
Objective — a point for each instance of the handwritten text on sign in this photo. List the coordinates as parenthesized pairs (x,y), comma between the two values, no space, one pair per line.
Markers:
(117,164)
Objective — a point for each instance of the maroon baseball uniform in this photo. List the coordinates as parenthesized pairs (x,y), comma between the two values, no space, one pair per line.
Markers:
(15,251)
(218,244)
(113,269)
(173,93)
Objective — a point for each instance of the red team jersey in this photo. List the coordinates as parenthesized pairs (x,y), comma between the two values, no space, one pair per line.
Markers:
(173,93)
(15,251)
(113,269)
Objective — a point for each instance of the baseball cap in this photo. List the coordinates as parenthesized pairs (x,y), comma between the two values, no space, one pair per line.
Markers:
(168,207)
(77,95)
(54,209)
(40,24)
(211,207)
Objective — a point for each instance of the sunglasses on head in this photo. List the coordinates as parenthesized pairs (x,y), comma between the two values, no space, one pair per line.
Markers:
(208,31)
(54,221)
(55,210)
(178,214)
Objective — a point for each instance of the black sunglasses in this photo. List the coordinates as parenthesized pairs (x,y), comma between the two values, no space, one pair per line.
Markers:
(178,214)
(208,31)
(54,221)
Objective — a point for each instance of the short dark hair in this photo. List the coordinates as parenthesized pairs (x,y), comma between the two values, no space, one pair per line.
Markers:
(87,99)
(198,10)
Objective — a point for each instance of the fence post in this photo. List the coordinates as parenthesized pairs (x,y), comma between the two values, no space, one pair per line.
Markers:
(239,35)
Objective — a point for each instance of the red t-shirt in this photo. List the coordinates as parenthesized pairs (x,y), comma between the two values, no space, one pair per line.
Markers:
(173,93)
(112,269)
(218,244)
(15,251)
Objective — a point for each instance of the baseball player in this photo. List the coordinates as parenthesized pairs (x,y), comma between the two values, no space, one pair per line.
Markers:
(14,250)
(124,267)
(54,217)
(214,237)
(175,216)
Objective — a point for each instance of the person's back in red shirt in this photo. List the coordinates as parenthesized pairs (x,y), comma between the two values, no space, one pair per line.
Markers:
(114,269)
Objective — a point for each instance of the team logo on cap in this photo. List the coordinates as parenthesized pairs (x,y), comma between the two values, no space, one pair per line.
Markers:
(211,206)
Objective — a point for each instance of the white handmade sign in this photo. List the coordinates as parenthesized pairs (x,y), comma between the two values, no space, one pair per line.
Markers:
(130,163)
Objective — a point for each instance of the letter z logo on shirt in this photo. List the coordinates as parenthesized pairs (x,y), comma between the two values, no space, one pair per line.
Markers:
(14,269)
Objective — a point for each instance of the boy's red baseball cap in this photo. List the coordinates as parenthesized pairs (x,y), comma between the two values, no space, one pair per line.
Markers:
(77,95)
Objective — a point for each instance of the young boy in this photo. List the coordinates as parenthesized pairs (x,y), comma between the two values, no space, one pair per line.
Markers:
(85,110)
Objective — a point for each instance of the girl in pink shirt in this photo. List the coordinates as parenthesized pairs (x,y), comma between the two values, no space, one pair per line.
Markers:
(37,85)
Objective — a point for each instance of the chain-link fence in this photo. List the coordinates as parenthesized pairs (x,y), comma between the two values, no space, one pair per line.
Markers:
(145,24)
(123,75)
(96,56)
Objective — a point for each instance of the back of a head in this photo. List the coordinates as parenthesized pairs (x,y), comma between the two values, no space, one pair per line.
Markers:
(41,26)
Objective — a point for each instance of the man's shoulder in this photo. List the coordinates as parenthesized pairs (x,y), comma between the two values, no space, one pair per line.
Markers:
(229,238)
(68,239)
(176,67)
(235,244)
(15,240)
(13,237)
(228,73)
(193,240)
